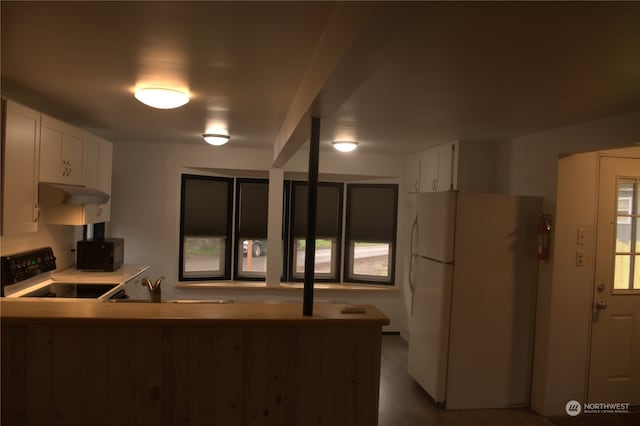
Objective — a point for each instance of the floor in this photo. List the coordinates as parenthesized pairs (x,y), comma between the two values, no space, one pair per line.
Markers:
(404,403)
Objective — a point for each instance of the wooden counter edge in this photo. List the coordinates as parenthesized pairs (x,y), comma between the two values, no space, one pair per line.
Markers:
(171,313)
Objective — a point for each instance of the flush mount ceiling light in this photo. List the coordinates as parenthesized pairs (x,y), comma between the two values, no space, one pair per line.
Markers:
(158,97)
(215,138)
(345,146)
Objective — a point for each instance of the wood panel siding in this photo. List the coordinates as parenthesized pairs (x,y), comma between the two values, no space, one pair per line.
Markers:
(175,373)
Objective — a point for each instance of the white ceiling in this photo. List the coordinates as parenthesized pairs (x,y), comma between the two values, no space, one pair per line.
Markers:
(396,76)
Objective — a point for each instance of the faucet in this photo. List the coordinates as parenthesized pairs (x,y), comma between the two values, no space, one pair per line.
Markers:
(154,288)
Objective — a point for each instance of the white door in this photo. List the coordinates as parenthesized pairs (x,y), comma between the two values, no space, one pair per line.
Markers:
(614,374)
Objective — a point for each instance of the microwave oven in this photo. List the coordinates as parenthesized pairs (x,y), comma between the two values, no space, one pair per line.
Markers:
(100,255)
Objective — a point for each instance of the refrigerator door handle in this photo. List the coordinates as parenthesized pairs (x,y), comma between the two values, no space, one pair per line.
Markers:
(411,279)
(414,234)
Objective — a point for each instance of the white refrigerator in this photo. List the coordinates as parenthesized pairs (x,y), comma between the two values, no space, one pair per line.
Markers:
(474,282)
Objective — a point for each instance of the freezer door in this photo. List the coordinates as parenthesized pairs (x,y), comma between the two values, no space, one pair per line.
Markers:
(429,327)
(435,225)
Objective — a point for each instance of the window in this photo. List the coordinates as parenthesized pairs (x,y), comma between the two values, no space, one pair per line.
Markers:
(205,227)
(627,248)
(371,233)
(328,231)
(211,248)
(252,203)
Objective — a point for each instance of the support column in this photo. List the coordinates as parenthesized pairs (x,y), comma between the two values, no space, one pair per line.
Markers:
(274,227)
(312,210)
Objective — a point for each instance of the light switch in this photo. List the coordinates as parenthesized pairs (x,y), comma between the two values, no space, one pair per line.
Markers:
(582,236)
(580,258)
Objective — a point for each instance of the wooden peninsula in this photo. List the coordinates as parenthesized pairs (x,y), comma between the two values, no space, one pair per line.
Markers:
(81,363)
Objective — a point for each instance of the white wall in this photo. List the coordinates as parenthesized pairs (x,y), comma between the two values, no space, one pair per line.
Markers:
(563,347)
(528,165)
(61,238)
(531,165)
(146,202)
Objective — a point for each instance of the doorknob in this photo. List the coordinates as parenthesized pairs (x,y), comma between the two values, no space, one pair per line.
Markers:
(601,305)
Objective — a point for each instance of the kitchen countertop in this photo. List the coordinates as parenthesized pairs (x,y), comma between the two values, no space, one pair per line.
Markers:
(38,311)
(72,275)
(120,275)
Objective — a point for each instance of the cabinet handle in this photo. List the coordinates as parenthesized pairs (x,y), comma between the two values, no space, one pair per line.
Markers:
(36,213)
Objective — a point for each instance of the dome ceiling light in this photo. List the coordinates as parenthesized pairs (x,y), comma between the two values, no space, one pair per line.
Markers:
(216,139)
(345,146)
(161,98)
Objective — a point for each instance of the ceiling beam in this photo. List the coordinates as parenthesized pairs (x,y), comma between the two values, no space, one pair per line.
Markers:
(342,28)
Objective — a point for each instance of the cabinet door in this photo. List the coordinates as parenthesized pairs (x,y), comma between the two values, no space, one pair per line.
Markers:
(98,175)
(61,152)
(105,158)
(94,213)
(52,168)
(20,153)
(444,179)
(412,175)
(91,153)
(429,170)
(73,153)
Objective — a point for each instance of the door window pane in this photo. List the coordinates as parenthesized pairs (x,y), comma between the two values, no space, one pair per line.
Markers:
(623,235)
(622,265)
(627,244)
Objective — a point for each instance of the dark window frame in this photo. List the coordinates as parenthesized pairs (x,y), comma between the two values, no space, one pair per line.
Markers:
(228,247)
(236,238)
(290,277)
(348,261)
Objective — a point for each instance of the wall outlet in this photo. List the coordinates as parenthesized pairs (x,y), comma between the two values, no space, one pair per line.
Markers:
(581,236)
(580,258)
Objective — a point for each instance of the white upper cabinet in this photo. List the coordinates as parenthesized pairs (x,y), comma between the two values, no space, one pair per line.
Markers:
(436,168)
(463,165)
(97,175)
(97,163)
(62,152)
(20,154)
(98,170)
(412,173)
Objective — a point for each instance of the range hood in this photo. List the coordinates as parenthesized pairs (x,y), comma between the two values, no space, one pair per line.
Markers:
(54,193)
